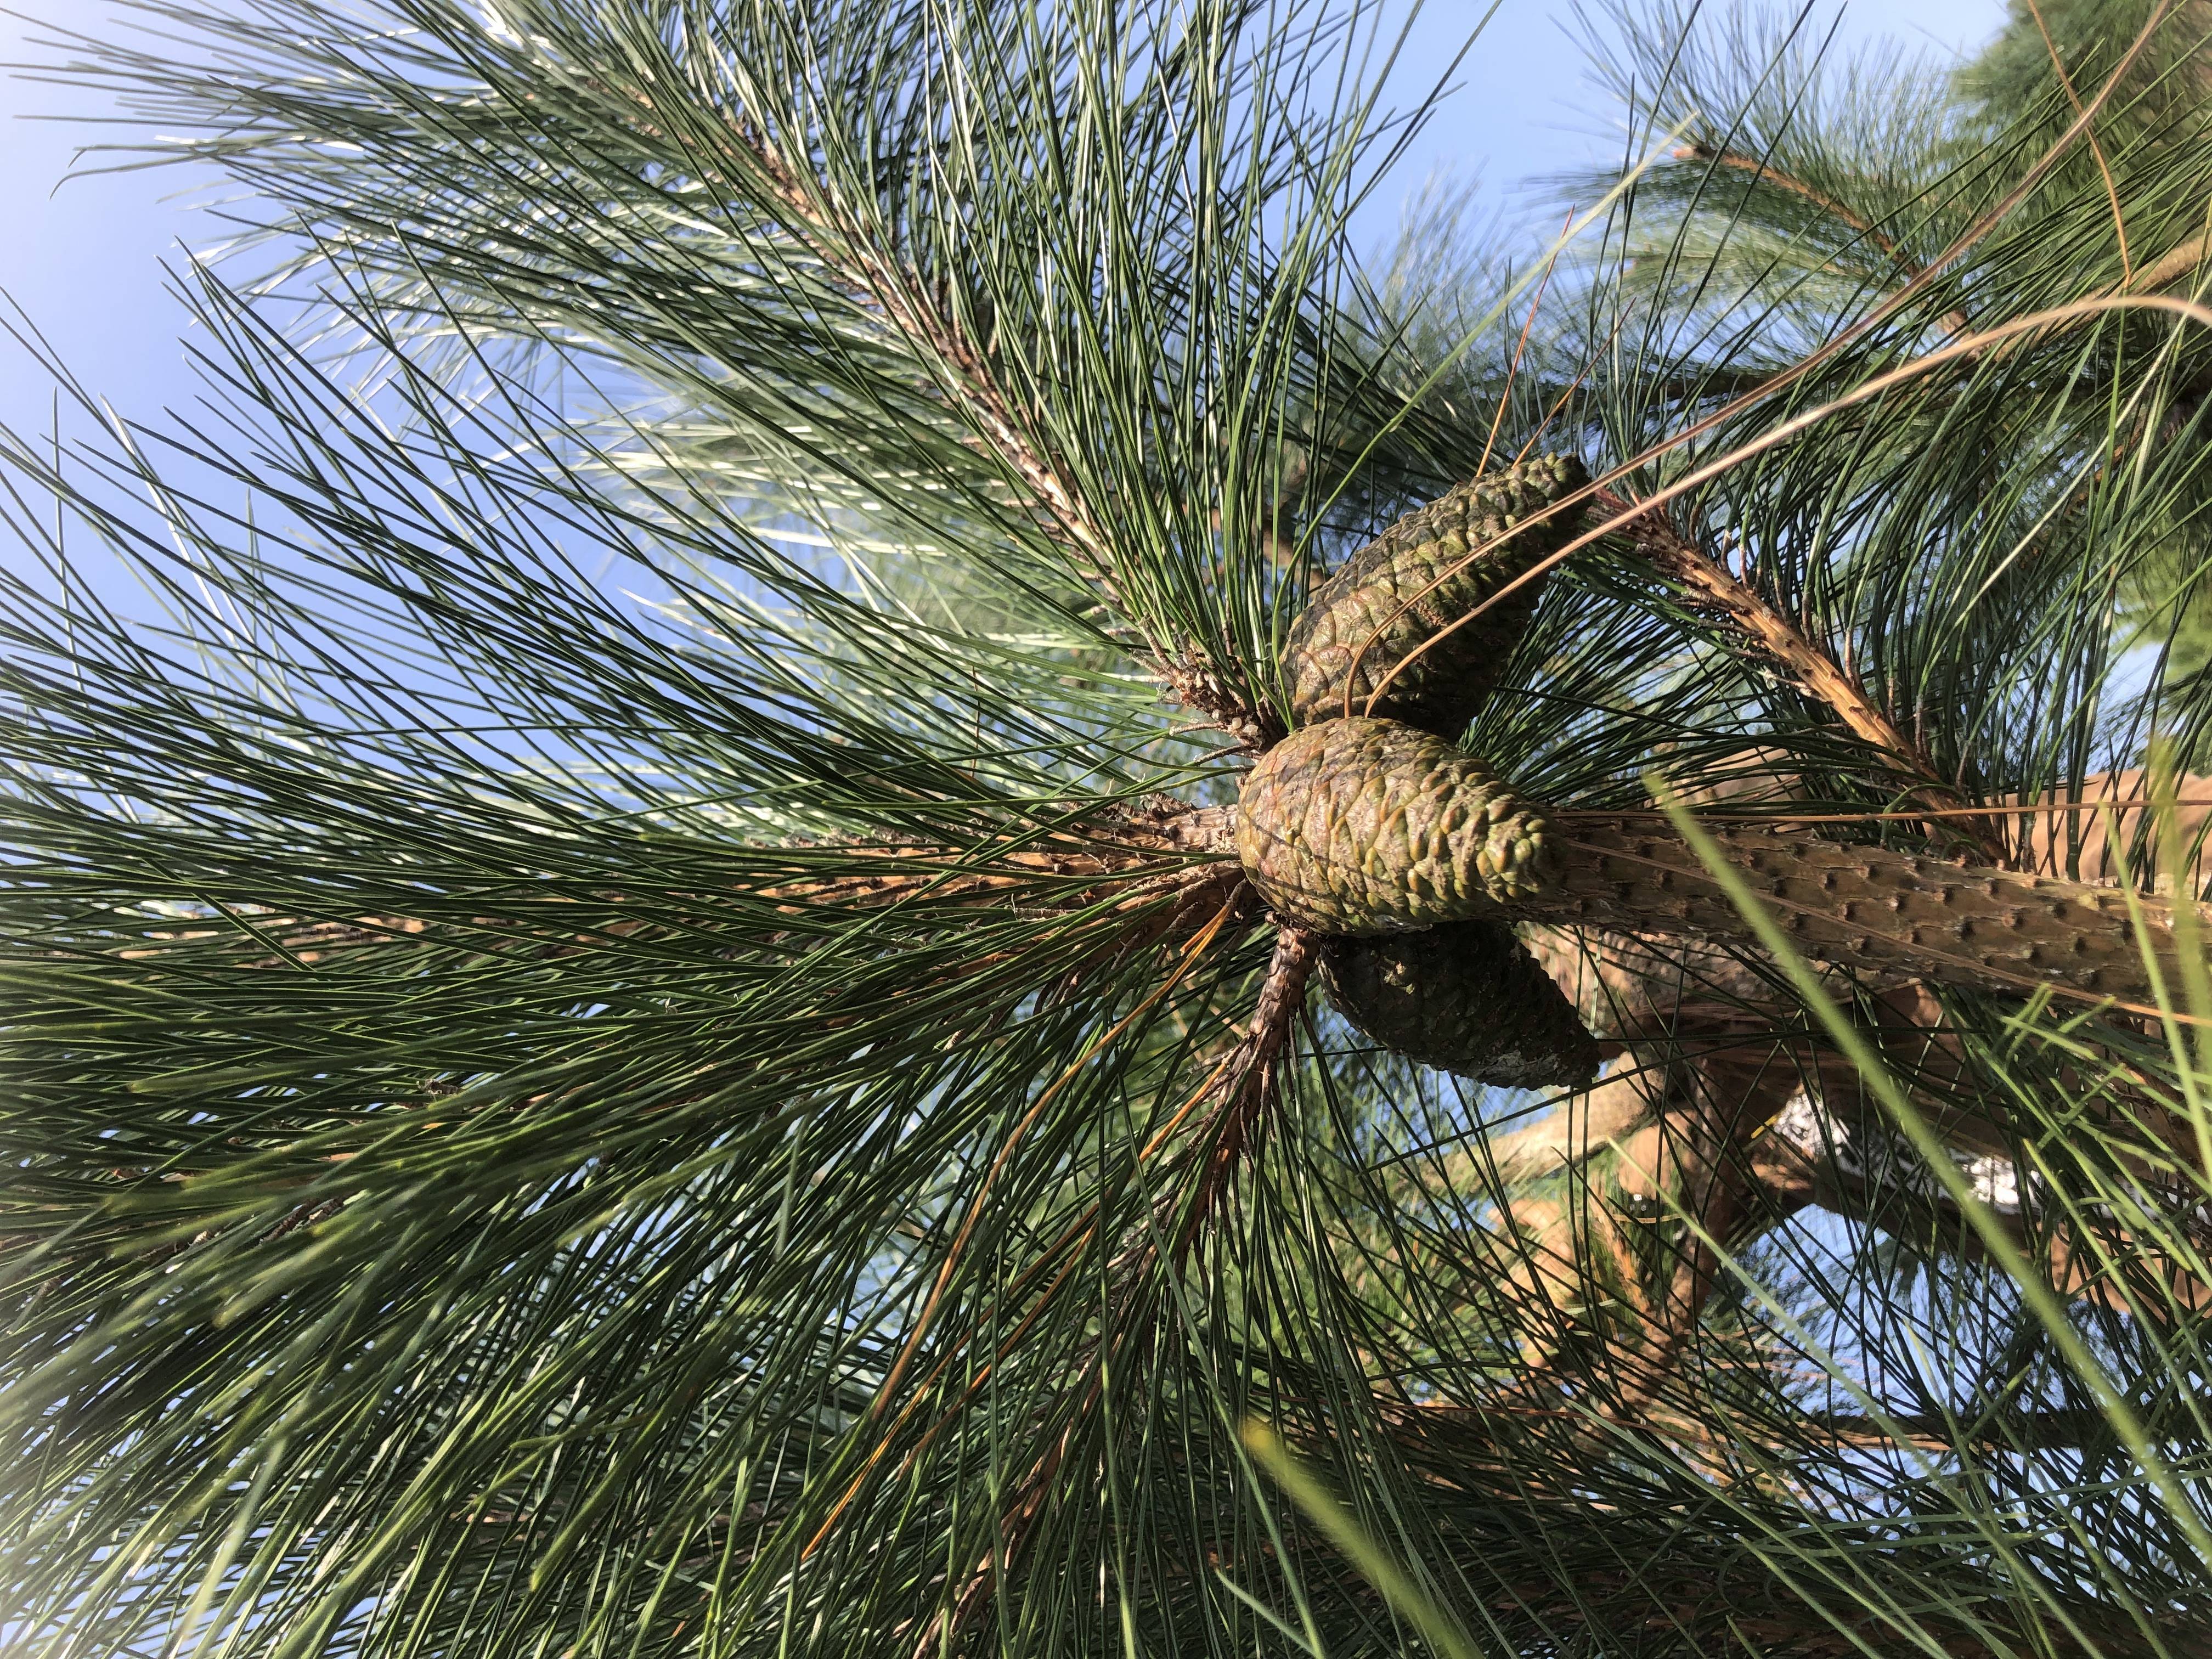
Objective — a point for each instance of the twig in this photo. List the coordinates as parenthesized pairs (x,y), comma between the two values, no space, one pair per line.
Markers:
(1243,1113)
(1814,672)
(1765,172)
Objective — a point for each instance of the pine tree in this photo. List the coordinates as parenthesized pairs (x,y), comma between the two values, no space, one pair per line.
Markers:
(835,868)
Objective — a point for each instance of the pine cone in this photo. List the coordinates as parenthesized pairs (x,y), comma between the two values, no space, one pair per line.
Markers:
(1466,997)
(1442,691)
(1366,826)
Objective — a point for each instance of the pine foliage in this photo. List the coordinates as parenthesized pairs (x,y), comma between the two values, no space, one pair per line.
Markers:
(629,1029)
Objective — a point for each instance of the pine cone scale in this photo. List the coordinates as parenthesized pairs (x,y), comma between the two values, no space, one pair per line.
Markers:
(1403,589)
(1362,826)
(1466,997)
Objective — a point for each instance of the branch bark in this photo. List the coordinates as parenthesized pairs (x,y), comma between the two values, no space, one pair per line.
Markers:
(1243,1115)
(1888,915)
(1831,1149)
(2176,264)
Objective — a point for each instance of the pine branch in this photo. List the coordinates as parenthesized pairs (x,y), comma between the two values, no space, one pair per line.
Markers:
(844,245)
(1250,1093)
(1765,172)
(1245,1082)
(1812,670)
(698,1116)
(2170,267)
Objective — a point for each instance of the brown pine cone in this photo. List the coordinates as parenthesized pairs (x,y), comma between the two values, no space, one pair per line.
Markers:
(1364,826)
(1380,595)
(1466,997)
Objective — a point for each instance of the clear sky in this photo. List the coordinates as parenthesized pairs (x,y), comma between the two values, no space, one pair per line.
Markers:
(85,260)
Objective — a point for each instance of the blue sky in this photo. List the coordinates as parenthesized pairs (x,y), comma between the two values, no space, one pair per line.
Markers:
(85,260)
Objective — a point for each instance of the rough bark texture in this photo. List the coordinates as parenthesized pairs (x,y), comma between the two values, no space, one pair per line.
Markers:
(1416,579)
(1362,826)
(1466,997)
(1696,1009)
(1887,914)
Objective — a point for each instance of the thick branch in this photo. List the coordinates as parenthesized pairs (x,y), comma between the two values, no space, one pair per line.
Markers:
(1831,1148)
(1889,915)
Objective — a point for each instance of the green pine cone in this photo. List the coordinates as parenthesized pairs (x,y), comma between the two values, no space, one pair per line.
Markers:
(1442,691)
(1364,826)
(1466,997)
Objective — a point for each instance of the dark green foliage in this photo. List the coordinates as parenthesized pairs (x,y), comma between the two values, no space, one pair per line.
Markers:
(611,1051)
(2162,92)
(2157,122)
